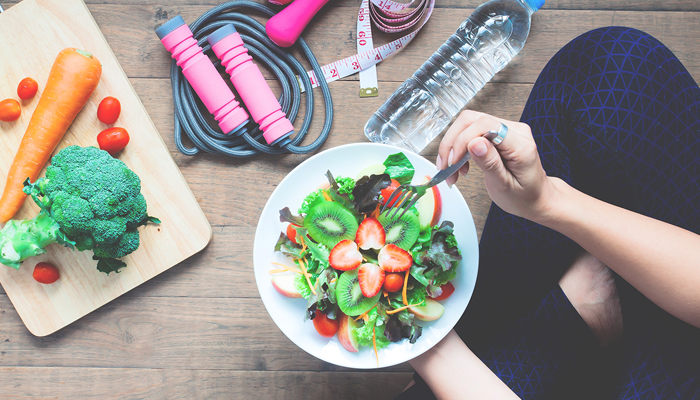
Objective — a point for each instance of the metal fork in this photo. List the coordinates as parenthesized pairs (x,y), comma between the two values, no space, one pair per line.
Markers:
(405,196)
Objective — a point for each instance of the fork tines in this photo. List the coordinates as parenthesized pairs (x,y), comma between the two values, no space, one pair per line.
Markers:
(403,197)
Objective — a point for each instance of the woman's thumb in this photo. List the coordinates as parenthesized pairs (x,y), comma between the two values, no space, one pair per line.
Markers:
(487,158)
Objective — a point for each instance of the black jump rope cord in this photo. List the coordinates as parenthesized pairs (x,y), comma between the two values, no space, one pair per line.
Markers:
(248,141)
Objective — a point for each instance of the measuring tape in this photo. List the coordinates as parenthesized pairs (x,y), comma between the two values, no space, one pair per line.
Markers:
(389,17)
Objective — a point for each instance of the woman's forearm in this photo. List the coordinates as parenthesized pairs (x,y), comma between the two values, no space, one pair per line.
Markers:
(661,260)
(453,372)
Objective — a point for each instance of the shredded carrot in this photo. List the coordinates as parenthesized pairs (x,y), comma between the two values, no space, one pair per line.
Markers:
(386,294)
(375,213)
(285,268)
(277,271)
(405,286)
(365,315)
(402,308)
(302,264)
(303,244)
(327,196)
(374,342)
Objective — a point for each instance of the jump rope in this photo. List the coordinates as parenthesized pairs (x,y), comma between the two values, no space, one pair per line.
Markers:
(270,129)
(243,138)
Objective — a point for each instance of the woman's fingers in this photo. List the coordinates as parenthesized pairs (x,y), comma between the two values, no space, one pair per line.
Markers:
(464,120)
(489,160)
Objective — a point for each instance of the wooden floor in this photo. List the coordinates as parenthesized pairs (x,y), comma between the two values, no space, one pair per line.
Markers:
(200,331)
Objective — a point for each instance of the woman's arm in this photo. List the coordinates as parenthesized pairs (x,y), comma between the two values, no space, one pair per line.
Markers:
(453,372)
(661,260)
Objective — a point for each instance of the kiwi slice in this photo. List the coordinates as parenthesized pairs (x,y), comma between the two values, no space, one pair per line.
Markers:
(403,231)
(349,295)
(329,223)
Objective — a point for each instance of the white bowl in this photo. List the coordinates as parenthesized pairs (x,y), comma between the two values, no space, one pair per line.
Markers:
(288,314)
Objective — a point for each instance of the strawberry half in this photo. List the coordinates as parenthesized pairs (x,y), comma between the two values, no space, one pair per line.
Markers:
(370,234)
(345,256)
(371,278)
(393,258)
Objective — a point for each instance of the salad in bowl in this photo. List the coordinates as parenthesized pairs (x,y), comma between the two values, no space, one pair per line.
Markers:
(368,284)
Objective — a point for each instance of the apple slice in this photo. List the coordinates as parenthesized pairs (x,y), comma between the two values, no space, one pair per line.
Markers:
(430,311)
(286,286)
(429,206)
(374,169)
(345,327)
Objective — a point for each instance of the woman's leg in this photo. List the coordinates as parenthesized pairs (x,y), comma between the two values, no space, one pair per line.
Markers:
(616,115)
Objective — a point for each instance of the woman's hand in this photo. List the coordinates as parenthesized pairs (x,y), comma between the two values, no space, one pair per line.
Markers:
(515,179)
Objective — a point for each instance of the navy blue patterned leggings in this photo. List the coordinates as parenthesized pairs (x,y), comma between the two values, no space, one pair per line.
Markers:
(616,115)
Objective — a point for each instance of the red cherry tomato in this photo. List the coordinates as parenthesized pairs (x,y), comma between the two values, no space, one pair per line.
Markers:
(113,140)
(10,110)
(324,326)
(27,88)
(109,110)
(292,233)
(447,290)
(387,191)
(393,282)
(45,273)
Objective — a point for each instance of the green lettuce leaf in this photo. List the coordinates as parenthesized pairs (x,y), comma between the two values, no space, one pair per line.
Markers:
(441,254)
(399,167)
(302,286)
(310,201)
(403,325)
(442,277)
(435,259)
(287,216)
(376,320)
(339,194)
(319,252)
(346,186)
(325,298)
(287,247)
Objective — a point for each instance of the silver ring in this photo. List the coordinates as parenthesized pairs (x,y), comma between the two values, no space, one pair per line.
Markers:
(497,137)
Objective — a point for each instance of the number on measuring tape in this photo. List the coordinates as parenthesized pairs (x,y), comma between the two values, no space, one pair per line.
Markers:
(386,16)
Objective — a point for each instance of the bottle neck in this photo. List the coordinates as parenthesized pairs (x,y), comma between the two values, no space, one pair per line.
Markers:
(530,9)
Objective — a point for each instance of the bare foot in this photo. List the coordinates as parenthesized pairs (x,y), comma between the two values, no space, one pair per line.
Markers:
(590,287)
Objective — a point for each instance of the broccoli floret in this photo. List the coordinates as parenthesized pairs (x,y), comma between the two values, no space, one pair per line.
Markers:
(89,200)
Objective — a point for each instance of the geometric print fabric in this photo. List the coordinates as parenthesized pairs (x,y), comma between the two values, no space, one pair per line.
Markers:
(615,114)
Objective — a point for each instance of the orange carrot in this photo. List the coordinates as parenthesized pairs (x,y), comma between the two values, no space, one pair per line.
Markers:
(405,286)
(394,311)
(73,78)
(374,342)
(327,196)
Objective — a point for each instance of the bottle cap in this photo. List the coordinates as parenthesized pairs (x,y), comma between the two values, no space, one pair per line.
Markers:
(169,26)
(535,4)
(221,34)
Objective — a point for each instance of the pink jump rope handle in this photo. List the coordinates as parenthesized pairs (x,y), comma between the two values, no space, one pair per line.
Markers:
(206,81)
(285,28)
(250,84)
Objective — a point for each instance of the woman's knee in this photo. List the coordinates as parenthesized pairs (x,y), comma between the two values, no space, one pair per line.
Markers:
(590,53)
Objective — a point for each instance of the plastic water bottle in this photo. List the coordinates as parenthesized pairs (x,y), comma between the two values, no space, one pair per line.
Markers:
(426,103)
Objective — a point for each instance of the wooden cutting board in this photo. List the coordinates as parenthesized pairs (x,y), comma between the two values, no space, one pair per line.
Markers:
(33,32)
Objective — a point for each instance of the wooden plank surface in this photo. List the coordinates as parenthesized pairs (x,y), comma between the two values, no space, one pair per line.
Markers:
(199,330)
(622,5)
(37,30)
